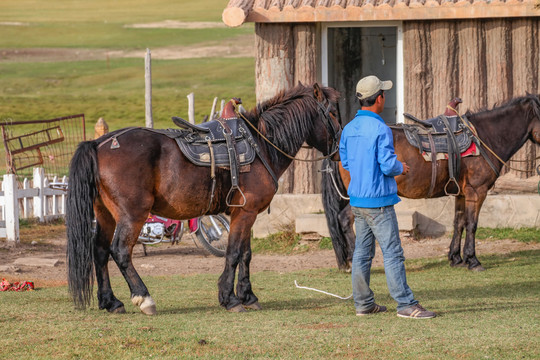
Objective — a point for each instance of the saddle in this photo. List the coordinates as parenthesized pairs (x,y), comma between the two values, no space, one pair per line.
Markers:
(448,134)
(225,142)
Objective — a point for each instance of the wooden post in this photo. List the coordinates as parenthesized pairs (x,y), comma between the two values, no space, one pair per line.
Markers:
(148,89)
(11,208)
(101,128)
(39,199)
(212,112)
(191,108)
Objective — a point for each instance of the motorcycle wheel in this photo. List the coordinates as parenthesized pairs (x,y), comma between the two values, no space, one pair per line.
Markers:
(213,234)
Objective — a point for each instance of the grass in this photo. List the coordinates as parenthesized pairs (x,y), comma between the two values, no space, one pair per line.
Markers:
(488,315)
(113,88)
(527,235)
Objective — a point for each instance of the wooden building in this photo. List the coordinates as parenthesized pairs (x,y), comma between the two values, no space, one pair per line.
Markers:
(484,51)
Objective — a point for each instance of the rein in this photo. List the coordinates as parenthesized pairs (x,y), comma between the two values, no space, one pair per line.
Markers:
(283,152)
(487,147)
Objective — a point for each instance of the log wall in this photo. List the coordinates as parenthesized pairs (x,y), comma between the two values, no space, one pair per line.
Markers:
(484,62)
(287,55)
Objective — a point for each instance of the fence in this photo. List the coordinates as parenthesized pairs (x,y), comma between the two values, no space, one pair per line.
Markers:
(48,144)
(34,199)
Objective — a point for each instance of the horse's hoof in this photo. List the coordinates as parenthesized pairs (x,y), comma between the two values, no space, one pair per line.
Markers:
(477,268)
(459,264)
(254,306)
(146,304)
(118,310)
(237,309)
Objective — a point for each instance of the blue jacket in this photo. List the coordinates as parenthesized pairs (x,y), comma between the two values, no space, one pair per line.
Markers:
(367,151)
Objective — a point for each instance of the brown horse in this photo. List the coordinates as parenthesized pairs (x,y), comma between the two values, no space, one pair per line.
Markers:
(504,129)
(119,186)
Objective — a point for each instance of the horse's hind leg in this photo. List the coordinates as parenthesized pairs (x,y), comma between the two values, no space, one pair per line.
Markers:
(125,238)
(104,232)
(454,253)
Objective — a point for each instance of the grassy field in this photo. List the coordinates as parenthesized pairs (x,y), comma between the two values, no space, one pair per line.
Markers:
(113,88)
(487,315)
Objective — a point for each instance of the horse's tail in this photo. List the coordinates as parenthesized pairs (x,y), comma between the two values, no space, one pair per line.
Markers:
(82,191)
(338,213)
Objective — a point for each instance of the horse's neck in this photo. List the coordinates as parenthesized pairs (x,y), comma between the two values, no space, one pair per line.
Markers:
(504,131)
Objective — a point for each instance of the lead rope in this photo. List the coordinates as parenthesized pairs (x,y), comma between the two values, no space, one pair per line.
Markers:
(321,291)
(487,147)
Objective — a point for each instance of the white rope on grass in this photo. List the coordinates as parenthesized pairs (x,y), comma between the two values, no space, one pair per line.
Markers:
(321,291)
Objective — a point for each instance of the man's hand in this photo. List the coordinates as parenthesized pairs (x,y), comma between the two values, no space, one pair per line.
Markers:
(406,169)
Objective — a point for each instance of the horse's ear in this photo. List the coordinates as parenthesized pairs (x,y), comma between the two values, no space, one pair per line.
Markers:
(317,91)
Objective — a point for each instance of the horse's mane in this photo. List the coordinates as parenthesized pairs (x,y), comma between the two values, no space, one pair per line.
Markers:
(285,119)
(534,109)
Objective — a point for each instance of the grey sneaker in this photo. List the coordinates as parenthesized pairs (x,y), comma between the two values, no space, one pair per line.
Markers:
(375,309)
(416,312)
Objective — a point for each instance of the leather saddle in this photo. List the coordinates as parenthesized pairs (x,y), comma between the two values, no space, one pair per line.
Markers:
(207,145)
(442,129)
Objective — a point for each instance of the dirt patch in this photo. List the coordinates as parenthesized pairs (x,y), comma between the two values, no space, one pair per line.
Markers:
(186,258)
(240,46)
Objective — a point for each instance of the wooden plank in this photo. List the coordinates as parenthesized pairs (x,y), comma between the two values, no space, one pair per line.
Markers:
(305,174)
(444,49)
(498,61)
(471,64)
(274,72)
(525,79)
(418,71)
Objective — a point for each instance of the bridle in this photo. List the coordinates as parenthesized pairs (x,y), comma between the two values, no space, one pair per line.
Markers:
(329,122)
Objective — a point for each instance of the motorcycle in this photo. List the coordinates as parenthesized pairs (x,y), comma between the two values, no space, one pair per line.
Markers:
(211,232)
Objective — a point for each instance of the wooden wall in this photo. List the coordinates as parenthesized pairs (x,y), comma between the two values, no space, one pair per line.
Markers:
(484,62)
(287,55)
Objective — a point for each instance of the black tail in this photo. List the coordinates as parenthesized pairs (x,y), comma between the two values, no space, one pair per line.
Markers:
(82,191)
(338,214)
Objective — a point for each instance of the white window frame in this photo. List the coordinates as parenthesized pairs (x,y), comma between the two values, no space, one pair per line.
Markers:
(400,84)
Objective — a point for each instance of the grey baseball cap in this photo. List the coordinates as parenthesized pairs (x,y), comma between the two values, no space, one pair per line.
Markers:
(370,85)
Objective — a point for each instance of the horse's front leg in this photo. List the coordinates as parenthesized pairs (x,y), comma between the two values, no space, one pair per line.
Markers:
(454,253)
(124,240)
(472,209)
(238,252)
(244,292)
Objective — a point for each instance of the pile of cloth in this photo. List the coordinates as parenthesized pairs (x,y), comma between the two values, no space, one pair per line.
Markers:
(16,286)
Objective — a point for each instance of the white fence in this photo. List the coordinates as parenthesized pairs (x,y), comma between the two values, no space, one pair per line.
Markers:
(35,200)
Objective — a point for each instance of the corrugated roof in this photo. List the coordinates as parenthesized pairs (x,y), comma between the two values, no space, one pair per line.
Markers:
(240,11)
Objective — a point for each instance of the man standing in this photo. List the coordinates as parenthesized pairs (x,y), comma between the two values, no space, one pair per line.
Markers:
(367,152)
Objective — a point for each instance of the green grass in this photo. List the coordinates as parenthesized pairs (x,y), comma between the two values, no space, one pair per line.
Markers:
(487,315)
(523,234)
(113,88)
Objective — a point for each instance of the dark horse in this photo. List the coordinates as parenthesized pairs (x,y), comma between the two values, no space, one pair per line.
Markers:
(148,173)
(504,129)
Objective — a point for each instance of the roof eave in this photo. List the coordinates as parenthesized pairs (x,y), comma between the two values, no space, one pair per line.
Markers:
(430,11)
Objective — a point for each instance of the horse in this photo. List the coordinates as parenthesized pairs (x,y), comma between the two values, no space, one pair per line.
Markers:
(504,129)
(112,189)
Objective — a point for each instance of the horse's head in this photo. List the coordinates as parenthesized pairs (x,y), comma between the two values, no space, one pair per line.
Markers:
(325,136)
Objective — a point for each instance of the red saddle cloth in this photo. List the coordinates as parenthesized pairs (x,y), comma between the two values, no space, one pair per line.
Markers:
(16,286)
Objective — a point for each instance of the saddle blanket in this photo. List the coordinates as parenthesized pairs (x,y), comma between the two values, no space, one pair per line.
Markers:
(471,151)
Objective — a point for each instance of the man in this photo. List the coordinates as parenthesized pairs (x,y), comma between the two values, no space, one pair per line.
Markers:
(367,152)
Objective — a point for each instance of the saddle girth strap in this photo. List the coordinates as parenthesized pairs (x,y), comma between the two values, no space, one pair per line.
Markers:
(454,158)
(233,163)
(433,165)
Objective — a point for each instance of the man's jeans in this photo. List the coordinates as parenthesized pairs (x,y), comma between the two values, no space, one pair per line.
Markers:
(381,224)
